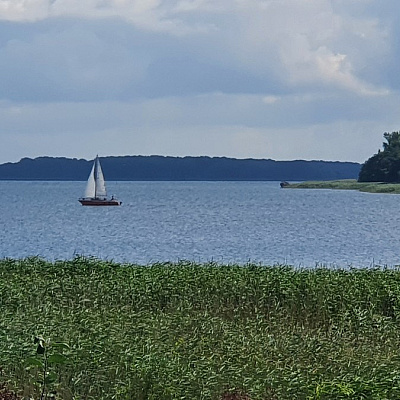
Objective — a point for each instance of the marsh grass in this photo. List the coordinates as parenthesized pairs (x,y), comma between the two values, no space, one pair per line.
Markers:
(203,331)
(349,184)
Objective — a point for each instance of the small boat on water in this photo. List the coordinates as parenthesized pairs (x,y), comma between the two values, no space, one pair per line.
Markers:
(96,193)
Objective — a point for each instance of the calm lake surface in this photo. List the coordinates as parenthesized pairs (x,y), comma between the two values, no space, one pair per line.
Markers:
(228,222)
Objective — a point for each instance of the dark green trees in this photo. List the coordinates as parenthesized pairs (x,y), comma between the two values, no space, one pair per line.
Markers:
(385,165)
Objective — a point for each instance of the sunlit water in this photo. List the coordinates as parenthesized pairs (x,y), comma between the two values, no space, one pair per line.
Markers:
(227,222)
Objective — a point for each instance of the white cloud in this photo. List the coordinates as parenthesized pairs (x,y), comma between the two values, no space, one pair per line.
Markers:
(270,99)
(24,10)
(184,6)
(306,66)
(305,43)
(153,15)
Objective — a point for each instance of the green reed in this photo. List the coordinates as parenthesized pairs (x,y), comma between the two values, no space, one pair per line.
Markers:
(186,330)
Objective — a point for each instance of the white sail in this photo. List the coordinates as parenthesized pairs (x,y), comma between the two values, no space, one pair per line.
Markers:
(99,179)
(90,190)
(95,193)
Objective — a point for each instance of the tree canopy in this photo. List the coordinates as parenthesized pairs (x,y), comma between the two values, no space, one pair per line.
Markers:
(383,166)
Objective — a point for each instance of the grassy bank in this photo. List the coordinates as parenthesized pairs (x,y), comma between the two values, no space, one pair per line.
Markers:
(190,331)
(348,184)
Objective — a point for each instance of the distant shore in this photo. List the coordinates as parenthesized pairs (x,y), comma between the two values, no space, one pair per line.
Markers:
(163,168)
(347,184)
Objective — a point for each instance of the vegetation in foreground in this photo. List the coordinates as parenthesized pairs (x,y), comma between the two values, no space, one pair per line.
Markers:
(348,184)
(198,331)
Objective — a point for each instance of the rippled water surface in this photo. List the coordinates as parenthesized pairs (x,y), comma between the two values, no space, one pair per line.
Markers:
(231,222)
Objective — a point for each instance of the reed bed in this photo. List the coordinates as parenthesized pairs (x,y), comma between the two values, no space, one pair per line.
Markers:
(202,331)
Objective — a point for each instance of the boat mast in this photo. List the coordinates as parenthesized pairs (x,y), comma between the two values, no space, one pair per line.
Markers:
(95,175)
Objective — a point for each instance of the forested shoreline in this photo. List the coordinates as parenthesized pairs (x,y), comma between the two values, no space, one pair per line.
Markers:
(163,168)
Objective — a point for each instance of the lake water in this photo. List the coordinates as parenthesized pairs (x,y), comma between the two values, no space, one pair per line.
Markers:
(227,222)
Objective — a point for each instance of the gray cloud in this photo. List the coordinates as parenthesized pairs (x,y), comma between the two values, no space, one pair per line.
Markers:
(220,77)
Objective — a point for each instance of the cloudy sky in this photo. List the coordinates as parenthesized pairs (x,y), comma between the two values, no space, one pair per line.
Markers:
(280,79)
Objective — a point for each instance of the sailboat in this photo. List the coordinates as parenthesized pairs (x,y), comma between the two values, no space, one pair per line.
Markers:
(96,193)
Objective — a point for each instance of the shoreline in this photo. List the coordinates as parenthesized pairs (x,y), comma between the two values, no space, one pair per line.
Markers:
(346,184)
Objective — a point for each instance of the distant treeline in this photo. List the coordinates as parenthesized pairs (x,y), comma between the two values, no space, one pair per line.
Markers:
(161,168)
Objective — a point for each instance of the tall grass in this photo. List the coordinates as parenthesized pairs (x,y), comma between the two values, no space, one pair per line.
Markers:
(197,331)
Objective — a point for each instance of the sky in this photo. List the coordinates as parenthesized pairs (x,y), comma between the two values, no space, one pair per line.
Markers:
(267,79)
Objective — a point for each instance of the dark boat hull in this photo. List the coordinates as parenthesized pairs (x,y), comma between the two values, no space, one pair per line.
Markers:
(99,202)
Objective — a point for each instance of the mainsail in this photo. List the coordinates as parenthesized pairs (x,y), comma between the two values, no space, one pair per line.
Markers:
(99,181)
